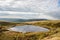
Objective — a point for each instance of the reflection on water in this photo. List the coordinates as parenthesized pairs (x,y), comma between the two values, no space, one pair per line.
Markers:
(28,28)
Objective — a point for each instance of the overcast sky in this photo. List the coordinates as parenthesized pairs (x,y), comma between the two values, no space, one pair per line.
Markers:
(30,9)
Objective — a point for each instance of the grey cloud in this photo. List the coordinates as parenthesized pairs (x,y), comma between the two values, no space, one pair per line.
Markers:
(3,14)
(54,14)
(25,9)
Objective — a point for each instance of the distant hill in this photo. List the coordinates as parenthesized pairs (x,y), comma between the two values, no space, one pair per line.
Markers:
(9,19)
(27,20)
(19,20)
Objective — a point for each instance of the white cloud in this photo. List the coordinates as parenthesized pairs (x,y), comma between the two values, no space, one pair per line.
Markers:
(30,7)
(10,16)
(13,12)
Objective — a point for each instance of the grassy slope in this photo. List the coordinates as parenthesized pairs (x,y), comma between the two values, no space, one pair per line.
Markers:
(53,26)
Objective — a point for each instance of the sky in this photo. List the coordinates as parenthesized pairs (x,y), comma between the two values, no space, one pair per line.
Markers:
(30,9)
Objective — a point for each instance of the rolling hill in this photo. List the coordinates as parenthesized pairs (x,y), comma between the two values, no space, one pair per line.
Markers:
(19,20)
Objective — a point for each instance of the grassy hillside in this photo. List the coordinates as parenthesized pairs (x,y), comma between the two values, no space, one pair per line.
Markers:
(52,25)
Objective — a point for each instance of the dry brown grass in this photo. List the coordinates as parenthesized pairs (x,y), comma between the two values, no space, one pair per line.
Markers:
(53,26)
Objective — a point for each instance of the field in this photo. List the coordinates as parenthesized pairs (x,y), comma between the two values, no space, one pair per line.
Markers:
(52,34)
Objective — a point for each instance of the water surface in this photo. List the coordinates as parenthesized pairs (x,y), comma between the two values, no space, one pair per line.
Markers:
(28,28)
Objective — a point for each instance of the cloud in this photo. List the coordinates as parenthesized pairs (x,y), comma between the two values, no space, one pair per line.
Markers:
(26,15)
(28,5)
(42,8)
(11,14)
(55,14)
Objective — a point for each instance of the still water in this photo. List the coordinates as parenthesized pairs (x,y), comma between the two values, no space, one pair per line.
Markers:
(28,28)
